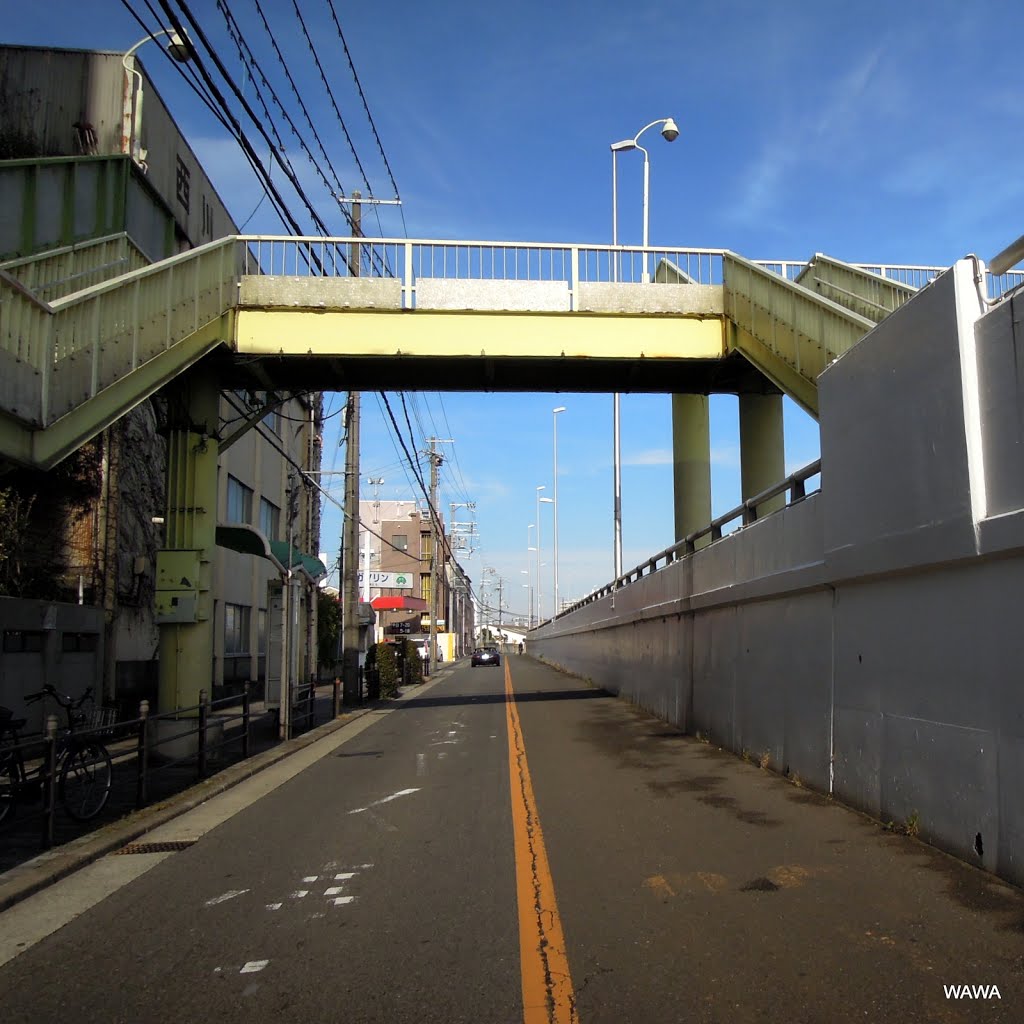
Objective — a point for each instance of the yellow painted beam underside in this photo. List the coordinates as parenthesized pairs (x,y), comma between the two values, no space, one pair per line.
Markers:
(494,335)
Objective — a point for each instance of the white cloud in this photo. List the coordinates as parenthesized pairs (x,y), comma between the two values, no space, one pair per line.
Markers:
(815,137)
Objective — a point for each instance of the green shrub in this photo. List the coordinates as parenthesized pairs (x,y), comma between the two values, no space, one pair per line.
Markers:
(413,663)
(387,670)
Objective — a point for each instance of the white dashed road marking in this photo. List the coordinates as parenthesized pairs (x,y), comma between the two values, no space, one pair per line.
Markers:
(253,966)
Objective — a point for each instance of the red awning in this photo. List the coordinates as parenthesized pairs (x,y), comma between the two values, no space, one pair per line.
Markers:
(396,604)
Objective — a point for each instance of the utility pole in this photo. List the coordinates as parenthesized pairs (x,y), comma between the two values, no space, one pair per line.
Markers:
(351,688)
(436,459)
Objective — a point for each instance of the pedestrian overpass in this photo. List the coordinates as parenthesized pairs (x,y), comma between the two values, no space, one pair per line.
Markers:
(353,314)
(851,640)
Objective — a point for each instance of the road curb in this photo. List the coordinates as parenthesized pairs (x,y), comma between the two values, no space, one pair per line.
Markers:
(36,874)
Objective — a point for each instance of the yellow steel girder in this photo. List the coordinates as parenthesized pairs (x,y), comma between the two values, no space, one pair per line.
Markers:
(455,335)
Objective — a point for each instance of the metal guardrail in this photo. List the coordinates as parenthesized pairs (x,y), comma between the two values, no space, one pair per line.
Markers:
(795,486)
(135,740)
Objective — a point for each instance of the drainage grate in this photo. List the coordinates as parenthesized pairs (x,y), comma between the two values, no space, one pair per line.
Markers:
(170,847)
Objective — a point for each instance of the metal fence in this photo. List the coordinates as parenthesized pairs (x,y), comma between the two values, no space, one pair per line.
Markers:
(795,487)
(413,259)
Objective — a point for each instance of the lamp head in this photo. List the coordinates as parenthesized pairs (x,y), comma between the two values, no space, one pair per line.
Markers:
(670,130)
(180,48)
(620,147)
(560,408)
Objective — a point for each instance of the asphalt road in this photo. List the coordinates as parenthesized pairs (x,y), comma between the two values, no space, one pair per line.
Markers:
(399,875)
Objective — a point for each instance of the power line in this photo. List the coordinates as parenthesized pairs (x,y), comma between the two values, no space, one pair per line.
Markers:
(330,96)
(250,113)
(192,81)
(366,107)
(252,64)
(305,112)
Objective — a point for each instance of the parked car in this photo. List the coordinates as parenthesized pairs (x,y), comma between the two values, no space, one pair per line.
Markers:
(485,656)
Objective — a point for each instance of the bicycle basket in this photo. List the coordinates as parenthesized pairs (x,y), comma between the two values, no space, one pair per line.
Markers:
(100,718)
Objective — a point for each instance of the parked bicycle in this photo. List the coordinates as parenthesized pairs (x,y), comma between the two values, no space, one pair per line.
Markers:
(83,767)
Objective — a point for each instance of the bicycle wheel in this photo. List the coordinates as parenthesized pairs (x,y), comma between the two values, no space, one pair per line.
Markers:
(8,785)
(85,777)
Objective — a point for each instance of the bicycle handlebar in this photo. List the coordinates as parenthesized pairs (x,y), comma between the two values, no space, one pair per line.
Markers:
(62,699)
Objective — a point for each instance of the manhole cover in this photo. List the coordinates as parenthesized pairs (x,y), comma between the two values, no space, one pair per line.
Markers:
(169,847)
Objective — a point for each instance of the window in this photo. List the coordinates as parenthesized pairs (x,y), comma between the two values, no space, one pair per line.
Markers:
(261,628)
(79,643)
(270,519)
(425,587)
(400,541)
(273,418)
(23,641)
(236,629)
(239,502)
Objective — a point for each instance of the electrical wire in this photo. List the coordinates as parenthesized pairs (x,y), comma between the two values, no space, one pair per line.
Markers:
(305,112)
(280,208)
(330,96)
(274,443)
(369,116)
(222,102)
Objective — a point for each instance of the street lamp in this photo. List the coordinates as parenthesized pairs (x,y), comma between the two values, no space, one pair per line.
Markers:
(670,133)
(540,564)
(540,617)
(131,127)
(529,567)
(554,508)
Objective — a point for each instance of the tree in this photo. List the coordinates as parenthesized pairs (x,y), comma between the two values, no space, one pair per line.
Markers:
(328,628)
(14,513)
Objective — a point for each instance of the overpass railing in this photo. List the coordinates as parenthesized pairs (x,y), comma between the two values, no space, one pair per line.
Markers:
(409,260)
(62,353)
(794,487)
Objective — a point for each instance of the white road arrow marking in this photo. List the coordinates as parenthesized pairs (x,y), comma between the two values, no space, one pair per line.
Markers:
(385,800)
(229,895)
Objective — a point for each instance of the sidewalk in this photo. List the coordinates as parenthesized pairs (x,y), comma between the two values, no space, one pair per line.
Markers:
(26,869)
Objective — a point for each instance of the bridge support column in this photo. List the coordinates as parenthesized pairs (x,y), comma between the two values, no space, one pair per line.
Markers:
(184,599)
(762,448)
(691,463)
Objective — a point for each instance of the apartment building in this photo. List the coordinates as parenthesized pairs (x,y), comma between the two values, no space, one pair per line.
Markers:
(397,545)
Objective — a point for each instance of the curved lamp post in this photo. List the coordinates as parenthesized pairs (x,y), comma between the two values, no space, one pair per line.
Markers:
(131,125)
(670,132)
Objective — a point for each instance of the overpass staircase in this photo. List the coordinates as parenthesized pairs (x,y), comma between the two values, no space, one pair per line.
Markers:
(71,364)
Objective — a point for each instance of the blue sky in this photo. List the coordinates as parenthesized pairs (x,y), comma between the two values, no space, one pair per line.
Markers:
(872,133)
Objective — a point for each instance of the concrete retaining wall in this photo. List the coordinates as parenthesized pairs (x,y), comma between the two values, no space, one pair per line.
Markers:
(867,638)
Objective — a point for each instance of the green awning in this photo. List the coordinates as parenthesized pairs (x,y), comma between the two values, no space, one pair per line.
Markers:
(249,541)
(295,559)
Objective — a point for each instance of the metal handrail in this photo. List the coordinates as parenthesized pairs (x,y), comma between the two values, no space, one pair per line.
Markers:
(747,512)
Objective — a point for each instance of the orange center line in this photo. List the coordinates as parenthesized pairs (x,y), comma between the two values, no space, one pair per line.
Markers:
(548,994)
